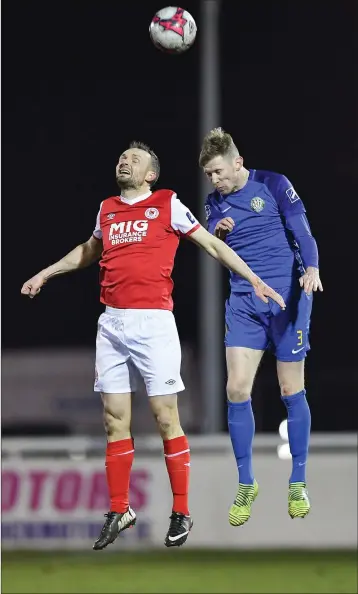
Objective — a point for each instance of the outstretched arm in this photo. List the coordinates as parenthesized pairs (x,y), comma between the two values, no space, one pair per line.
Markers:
(80,257)
(224,254)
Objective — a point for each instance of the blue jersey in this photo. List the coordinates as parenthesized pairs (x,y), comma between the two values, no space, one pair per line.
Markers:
(267,213)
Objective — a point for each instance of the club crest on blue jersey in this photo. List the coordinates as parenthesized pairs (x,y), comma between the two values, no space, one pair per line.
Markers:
(257,204)
(207,211)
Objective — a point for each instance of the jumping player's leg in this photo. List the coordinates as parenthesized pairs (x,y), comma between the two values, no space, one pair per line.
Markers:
(245,342)
(156,352)
(176,448)
(177,460)
(293,394)
(290,336)
(116,380)
(120,448)
(242,365)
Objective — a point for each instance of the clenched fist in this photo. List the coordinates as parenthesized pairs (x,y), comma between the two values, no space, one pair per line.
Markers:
(32,287)
(224,227)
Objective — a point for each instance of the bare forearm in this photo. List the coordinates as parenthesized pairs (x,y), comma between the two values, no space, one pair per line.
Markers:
(226,256)
(80,257)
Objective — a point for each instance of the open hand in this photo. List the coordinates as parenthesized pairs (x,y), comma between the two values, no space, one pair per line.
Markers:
(264,292)
(311,281)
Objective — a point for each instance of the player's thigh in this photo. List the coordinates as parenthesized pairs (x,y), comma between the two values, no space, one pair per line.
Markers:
(291,376)
(114,370)
(155,350)
(245,327)
(242,365)
(289,329)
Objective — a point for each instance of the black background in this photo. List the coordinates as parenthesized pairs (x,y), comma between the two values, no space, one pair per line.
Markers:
(81,79)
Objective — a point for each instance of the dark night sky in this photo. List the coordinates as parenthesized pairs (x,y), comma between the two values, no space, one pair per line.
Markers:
(81,79)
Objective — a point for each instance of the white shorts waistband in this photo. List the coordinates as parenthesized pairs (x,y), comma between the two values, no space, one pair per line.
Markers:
(115,311)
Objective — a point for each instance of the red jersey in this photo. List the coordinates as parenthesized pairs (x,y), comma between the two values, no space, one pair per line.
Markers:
(140,239)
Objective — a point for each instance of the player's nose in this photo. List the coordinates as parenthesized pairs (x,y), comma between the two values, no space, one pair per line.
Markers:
(214,179)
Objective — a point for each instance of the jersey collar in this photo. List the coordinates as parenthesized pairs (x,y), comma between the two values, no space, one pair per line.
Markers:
(136,199)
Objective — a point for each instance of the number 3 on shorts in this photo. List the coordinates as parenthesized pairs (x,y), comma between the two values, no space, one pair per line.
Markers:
(299,338)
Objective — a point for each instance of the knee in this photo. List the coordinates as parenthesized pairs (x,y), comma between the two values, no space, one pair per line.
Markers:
(116,424)
(291,377)
(238,390)
(167,418)
(289,387)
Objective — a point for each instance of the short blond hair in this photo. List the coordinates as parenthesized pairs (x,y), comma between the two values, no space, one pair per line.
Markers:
(217,143)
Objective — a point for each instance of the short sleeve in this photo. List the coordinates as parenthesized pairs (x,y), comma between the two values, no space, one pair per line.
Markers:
(212,216)
(97,233)
(182,219)
(287,198)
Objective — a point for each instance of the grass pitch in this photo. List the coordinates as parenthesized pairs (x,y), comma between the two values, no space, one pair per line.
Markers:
(178,571)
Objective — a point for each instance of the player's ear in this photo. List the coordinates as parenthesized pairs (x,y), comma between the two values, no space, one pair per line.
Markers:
(239,161)
(150,177)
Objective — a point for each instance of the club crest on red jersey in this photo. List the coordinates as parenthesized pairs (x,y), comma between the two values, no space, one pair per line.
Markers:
(151,213)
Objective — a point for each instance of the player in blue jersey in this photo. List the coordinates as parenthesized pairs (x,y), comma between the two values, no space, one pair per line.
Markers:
(261,217)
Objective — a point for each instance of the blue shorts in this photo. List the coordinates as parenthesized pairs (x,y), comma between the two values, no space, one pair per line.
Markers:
(257,325)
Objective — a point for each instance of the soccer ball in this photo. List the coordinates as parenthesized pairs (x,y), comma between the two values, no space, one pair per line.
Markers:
(173,30)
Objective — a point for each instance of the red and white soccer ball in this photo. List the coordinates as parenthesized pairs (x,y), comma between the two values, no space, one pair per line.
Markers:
(173,30)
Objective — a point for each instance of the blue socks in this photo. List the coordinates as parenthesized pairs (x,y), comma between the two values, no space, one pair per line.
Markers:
(299,427)
(242,430)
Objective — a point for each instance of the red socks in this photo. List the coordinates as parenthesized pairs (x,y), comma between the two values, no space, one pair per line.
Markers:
(119,460)
(177,459)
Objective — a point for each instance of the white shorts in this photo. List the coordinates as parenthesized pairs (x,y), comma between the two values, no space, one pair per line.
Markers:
(132,342)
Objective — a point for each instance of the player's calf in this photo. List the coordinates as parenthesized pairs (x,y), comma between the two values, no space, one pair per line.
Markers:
(241,424)
(299,425)
(177,460)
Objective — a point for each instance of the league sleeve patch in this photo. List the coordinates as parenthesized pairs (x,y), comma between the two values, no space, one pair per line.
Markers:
(190,217)
(291,195)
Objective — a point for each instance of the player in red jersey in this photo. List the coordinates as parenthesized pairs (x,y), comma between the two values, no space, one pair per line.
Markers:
(136,238)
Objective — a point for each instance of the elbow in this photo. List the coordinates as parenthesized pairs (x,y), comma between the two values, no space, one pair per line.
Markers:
(212,252)
(214,248)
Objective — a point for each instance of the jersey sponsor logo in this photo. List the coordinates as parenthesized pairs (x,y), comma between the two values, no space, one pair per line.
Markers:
(291,195)
(207,211)
(257,204)
(190,217)
(151,213)
(127,231)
